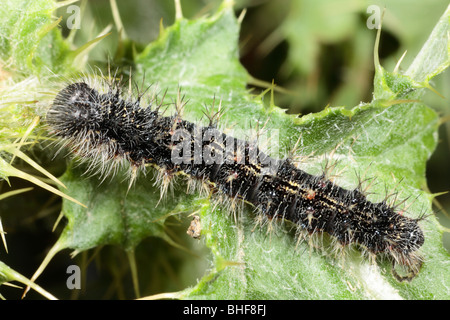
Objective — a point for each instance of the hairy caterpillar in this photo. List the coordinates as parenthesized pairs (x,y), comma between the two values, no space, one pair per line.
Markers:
(107,128)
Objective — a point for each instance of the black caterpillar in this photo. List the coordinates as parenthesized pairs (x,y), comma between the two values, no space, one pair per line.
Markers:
(106,127)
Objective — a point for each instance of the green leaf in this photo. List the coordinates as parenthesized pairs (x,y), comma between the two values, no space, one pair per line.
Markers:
(432,60)
(434,57)
(29,39)
(115,215)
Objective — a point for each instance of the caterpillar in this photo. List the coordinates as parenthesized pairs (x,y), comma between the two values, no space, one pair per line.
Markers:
(105,127)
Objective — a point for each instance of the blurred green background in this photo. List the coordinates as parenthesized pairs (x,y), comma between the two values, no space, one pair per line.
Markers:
(319,51)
